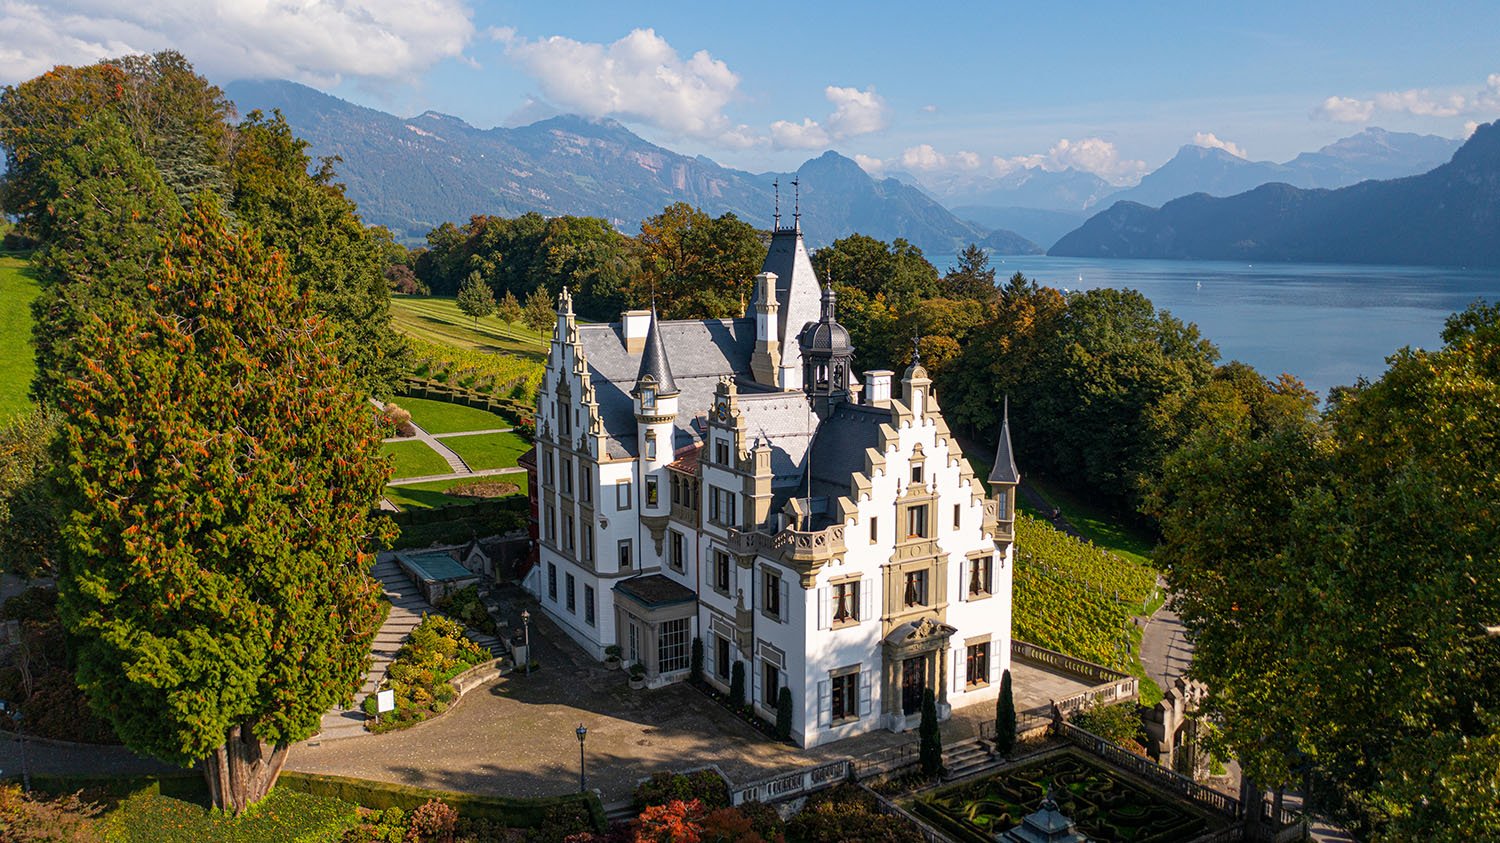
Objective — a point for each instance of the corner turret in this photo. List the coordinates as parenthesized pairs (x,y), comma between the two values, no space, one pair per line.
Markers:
(1004,477)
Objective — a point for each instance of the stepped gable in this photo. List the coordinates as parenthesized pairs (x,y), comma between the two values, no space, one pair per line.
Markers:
(700,353)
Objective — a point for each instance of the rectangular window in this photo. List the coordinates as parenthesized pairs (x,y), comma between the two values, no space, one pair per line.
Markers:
(844,703)
(588,542)
(571,594)
(551,519)
(672,647)
(978,664)
(721,571)
(676,491)
(552,582)
(721,657)
(874,530)
(958,515)
(626,556)
(916,588)
(568,532)
(547,469)
(771,593)
(650,446)
(916,521)
(651,491)
(679,551)
(721,506)
(846,602)
(1001,499)
(585,483)
(622,496)
(980,572)
(770,684)
(566,475)
(588,605)
(634,653)
(721,451)
(916,473)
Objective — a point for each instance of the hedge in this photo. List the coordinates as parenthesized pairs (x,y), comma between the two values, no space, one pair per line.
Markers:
(508,811)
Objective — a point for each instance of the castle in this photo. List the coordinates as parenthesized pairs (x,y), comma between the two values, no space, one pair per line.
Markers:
(730,481)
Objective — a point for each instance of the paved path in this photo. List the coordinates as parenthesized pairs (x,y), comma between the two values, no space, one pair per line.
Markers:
(1165,649)
(486,472)
(453,434)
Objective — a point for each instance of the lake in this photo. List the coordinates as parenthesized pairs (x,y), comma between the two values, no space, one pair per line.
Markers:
(1328,324)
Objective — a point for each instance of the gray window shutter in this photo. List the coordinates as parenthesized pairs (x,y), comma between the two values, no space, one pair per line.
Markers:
(963,579)
(755,673)
(710,653)
(823,607)
(958,681)
(867,600)
(866,682)
(994,662)
(825,704)
(786,605)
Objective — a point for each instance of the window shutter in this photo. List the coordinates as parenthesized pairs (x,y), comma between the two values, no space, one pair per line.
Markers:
(755,672)
(710,653)
(825,704)
(958,682)
(963,579)
(994,662)
(866,681)
(866,600)
(823,607)
(786,605)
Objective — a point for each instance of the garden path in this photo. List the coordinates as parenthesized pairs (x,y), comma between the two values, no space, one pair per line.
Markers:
(427,478)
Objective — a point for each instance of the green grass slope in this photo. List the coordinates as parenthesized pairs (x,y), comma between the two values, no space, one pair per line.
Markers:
(18,287)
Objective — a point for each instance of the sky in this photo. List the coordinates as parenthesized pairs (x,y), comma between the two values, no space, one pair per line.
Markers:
(931,88)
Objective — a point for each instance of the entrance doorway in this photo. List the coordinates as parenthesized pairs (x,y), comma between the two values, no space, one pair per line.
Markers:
(913,683)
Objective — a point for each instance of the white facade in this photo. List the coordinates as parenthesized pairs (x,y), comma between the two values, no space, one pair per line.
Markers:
(721,480)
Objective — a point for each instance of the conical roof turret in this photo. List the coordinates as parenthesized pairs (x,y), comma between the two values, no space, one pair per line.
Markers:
(1005,470)
(655,371)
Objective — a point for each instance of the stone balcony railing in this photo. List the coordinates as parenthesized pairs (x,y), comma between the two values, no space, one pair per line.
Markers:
(789,545)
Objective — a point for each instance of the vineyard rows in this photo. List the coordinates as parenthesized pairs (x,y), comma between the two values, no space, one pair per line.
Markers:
(502,376)
(1073,597)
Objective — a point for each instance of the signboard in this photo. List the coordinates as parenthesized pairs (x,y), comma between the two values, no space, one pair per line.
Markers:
(385,701)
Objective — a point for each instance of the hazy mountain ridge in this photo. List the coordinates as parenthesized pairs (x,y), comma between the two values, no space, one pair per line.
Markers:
(410,175)
(1447,216)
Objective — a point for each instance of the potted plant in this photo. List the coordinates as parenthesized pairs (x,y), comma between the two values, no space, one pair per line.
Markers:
(637,676)
(612,656)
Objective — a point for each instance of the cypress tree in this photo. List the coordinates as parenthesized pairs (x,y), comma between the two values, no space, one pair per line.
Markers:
(737,685)
(696,674)
(1005,717)
(930,737)
(784,714)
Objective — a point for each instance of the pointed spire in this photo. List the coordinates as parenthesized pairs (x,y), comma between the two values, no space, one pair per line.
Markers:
(1005,470)
(830,301)
(776,215)
(654,363)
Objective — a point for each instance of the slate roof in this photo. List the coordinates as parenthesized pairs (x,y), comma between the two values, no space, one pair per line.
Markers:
(838,448)
(1005,470)
(700,352)
(785,422)
(798,302)
(654,363)
(655,590)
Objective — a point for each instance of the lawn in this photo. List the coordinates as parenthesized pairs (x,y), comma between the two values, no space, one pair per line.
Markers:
(447,417)
(1098,525)
(18,286)
(284,814)
(488,450)
(414,459)
(433,493)
(438,320)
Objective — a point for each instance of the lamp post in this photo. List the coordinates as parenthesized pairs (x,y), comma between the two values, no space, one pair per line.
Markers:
(582,733)
(526,631)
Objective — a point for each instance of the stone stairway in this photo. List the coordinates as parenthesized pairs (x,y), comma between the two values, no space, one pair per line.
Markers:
(966,758)
(407,608)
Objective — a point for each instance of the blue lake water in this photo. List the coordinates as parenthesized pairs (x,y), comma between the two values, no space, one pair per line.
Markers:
(1328,324)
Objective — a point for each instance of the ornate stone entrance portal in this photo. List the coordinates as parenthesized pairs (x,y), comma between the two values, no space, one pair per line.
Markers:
(916,655)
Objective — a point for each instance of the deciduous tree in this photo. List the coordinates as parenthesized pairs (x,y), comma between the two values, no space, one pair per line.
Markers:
(218,466)
(475,298)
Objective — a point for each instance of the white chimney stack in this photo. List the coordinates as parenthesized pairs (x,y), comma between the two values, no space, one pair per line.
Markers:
(878,387)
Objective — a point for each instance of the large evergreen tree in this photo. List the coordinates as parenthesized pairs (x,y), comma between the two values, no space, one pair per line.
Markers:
(218,468)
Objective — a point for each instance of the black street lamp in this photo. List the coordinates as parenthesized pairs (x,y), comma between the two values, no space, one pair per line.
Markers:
(526,631)
(582,733)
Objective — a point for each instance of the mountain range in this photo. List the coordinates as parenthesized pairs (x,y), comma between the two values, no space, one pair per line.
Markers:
(411,175)
(1447,216)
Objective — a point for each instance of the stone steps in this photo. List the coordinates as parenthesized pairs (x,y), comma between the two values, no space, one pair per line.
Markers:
(966,758)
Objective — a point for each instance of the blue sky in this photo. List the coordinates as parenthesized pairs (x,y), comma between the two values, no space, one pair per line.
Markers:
(939,87)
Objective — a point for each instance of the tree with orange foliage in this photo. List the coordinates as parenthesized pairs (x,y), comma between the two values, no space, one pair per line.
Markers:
(674,822)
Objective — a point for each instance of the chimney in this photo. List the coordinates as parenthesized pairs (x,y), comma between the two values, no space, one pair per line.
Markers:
(878,387)
(634,324)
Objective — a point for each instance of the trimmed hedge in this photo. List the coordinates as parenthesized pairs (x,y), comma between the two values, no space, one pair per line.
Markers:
(706,786)
(507,811)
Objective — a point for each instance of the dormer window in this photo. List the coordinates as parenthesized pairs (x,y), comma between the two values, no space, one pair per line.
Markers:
(648,397)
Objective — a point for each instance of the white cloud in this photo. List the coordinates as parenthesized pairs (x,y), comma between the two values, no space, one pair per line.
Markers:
(320,41)
(1470,128)
(873,166)
(924,158)
(930,108)
(1094,155)
(1213,141)
(639,77)
(1345,110)
(805,135)
(1418,102)
(855,112)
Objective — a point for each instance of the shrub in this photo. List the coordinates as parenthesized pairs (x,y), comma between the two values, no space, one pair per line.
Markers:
(705,786)
(398,418)
(696,672)
(784,714)
(675,822)
(27,817)
(52,705)
(930,736)
(434,822)
(762,820)
(468,607)
(1005,717)
(1119,723)
(436,652)
(848,812)
(737,685)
